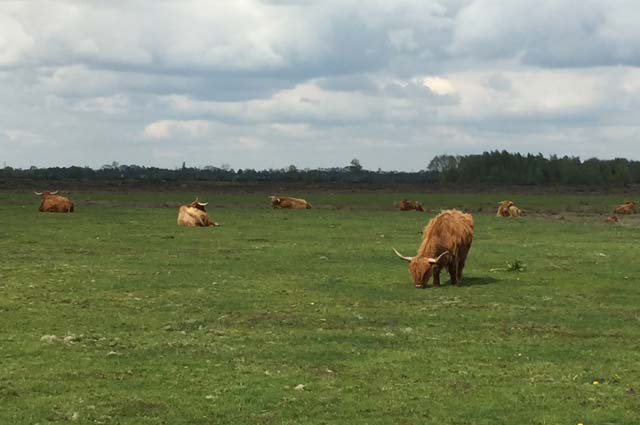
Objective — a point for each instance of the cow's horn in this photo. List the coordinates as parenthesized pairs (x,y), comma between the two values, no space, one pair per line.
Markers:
(37,193)
(402,256)
(55,193)
(202,204)
(435,260)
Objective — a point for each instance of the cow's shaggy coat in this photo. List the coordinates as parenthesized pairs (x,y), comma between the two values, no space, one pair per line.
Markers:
(194,215)
(446,242)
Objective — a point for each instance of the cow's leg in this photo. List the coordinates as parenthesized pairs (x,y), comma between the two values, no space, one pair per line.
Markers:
(453,273)
(460,269)
(436,276)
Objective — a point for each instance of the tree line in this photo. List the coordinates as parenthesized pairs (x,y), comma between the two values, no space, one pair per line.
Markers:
(502,167)
(488,168)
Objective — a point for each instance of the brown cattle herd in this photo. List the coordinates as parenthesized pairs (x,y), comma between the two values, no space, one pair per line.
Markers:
(446,239)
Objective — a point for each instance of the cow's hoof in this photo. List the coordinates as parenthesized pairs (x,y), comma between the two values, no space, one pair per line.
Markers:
(420,286)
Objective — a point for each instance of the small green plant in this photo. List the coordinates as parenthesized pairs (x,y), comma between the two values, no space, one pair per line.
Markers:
(515,266)
(512,266)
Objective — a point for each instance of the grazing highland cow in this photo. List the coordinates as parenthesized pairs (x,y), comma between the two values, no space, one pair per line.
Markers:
(406,205)
(508,209)
(194,215)
(287,202)
(52,202)
(629,207)
(446,241)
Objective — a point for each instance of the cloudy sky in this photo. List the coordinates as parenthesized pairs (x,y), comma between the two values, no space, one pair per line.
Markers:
(268,83)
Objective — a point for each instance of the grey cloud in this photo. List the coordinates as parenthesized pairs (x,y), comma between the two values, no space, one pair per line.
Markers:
(351,82)
(550,33)
(336,78)
(499,82)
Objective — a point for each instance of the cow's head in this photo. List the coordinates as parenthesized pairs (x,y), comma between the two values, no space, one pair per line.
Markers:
(45,194)
(419,206)
(199,205)
(421,268)
(274,200)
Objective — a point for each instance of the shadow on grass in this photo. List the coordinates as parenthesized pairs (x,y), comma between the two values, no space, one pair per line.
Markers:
(483,280)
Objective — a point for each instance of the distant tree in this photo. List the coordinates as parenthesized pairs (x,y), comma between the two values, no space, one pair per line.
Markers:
(442,163)
(355,166)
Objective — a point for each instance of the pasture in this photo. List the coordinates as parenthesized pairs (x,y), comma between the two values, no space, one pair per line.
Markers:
(307,317)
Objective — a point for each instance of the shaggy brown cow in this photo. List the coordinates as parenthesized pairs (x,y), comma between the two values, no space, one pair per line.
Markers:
(613,219)
(52,202)
(194,215)
(406,205)
(515,211)
(508,209)
(628,207)
(288,202)
(446,241)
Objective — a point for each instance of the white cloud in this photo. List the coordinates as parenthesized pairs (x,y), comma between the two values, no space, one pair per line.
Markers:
(192,129)
(14,41)
(23,138)
(439,85)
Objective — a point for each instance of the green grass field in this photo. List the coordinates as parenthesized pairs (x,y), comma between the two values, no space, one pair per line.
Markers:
(307,317)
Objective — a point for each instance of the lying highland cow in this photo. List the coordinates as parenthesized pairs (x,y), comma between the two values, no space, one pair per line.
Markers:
(446,241)
(406,205)
(612,219)
(508,209)
(194,215)
(629,207)
(288,202)
(52,202)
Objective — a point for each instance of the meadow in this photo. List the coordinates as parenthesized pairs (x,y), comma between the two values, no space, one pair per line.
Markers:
(114,315)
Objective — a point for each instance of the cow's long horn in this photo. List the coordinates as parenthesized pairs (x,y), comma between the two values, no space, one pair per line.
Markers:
(402,256)
(37,193)
(55,193)
(202,204)
(435,260)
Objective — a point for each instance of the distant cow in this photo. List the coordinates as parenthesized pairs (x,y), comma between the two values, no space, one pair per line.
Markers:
(52,202)
(194,215)
(628,207)
(612,219)
(288,202)
(508,209)
(446,241)
(406,205)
